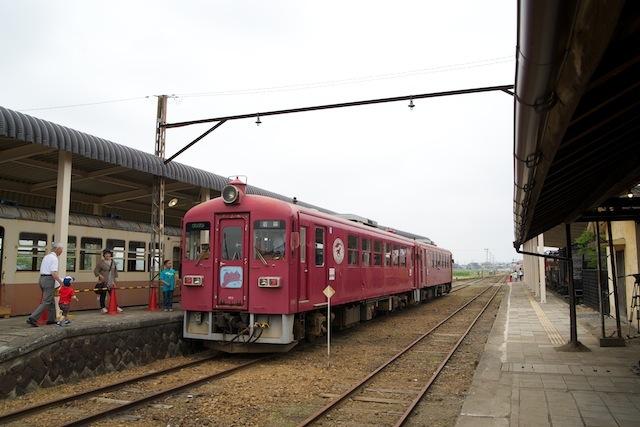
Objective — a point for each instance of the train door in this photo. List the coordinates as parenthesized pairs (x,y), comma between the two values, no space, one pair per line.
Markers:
(303,289)
(317,276)
(230,275)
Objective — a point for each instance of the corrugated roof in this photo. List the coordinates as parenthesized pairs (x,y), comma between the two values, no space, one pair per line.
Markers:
(24,128)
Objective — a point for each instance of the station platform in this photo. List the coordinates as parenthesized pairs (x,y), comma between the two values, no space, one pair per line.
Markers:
(93,343)
(522,379)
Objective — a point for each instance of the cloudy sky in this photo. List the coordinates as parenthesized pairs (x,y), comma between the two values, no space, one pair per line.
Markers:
(443,170)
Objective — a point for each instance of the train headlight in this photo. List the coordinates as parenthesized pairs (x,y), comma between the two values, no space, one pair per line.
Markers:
(269,282)
(230,194)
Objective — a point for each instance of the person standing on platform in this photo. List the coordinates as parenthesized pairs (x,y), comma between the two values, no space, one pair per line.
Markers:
(168,277)
(520,274)
(107,273)
(48,279)
(67,293)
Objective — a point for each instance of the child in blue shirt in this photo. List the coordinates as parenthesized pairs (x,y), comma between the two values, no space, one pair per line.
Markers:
(168,278)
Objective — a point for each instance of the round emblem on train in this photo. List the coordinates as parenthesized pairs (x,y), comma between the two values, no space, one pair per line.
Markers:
(338,250)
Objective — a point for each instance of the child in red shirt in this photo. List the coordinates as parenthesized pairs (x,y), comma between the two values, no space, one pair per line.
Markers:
(66,293)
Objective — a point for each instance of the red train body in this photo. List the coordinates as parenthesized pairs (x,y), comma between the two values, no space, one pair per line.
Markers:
(255,268)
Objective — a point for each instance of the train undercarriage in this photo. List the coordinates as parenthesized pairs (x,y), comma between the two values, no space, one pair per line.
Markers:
(242,332)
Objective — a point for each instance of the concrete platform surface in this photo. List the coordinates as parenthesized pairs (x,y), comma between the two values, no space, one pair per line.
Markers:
(523,380)
(18,338)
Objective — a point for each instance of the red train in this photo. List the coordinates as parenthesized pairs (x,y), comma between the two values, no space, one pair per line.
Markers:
(254,270)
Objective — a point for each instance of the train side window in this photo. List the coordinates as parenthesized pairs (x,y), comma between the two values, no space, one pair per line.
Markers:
(319,247)
(352,249)
(377,252)
(31,249)
(70,250)
(196,246)
(90,252)
(403,257)
(136,256)
(366,252)
(395,256)
(117,246)
(387,254)
(154,257)
(303,244)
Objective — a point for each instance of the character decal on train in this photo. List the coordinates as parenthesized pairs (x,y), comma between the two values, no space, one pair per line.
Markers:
(338,250)
(231,277)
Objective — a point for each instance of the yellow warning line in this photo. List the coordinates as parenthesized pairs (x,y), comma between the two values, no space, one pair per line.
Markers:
(552,332)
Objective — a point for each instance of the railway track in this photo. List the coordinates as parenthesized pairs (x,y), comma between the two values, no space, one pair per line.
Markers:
(393,390)
(87,410)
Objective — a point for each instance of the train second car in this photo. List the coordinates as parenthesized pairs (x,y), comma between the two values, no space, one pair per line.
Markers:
(254,271)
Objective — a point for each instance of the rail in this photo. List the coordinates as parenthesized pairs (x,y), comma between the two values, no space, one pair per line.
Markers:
(325,409)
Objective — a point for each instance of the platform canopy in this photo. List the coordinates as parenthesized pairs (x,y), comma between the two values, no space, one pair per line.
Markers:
(577,111)
(108,179)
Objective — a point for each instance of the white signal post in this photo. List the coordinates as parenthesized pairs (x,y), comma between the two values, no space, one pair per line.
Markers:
(328,292)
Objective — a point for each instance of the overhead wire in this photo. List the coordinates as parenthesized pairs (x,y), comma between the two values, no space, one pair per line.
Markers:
(297,86)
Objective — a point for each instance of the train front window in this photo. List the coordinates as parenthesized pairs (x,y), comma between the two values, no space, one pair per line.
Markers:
(196,245)
(268,240)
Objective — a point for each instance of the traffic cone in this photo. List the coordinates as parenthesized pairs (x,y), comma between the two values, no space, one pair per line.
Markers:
(44,317)
(113,302)
(153,298)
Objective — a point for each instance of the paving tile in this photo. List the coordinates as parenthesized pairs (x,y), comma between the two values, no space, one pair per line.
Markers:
(599,422)
(468,421)
(566,421)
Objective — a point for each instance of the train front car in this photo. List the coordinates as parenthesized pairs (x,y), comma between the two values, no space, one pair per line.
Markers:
(236,292)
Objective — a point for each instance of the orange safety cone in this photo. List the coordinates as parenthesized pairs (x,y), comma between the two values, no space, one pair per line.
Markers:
(153,298)
(44,317)
(113,302)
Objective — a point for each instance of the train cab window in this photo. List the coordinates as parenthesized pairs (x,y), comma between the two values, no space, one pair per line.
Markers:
(31,250)
(377,252)
(90,252)
(319,247)
(117,246)
(196,245)
(136,256)
(71,252)
(268,240)
(403,257)
(387,254)
(366,252)
(352,250)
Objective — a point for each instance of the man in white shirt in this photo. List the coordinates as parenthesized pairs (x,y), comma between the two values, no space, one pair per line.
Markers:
(48,278)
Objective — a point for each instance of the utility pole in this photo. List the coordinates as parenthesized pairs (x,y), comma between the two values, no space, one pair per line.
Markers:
(157,214)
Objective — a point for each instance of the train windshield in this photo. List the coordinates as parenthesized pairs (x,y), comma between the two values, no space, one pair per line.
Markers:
(196,245)
(268,240)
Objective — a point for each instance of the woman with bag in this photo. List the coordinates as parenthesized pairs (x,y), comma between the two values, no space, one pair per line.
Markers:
(107,272)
